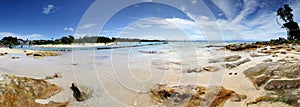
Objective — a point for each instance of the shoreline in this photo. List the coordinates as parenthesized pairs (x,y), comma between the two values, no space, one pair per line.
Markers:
(63,65)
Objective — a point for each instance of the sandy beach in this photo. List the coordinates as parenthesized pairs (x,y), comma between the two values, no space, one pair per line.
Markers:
(127,82)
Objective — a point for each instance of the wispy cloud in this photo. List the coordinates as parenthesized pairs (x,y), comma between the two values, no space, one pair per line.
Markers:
(69,29)
(24,37)
(49,9)
(86,26)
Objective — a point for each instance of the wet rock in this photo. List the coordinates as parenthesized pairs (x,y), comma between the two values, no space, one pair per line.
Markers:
(193,96)
(22,92)
(232,58)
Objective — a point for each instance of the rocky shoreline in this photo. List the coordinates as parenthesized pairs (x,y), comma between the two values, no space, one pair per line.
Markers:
(23,91)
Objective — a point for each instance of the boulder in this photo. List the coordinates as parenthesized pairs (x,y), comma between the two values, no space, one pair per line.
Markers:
(193,96)
(22,92)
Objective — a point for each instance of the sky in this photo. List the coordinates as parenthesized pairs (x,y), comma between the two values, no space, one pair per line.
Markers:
(149,19)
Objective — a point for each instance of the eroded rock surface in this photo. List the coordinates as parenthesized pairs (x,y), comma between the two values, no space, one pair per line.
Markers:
(193,96)
(43,53)
(22,92)
(280,81)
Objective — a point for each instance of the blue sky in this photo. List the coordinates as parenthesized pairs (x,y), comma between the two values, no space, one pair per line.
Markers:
(150,19)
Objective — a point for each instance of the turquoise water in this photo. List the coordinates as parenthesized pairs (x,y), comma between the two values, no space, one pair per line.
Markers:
(120,45)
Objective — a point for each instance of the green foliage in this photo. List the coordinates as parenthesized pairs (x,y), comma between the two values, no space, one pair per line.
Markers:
(67,40)
(10,40)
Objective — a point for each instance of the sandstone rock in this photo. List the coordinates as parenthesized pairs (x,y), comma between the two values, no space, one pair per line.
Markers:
(233,65)
(43,53)
(281,79)
(274,69)
(232,58)
(283,84)
(210,68)
(22,92)
(195,70)
(193,96)
(268,60)
(229,66)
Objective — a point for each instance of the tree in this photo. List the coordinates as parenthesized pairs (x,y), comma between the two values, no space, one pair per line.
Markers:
(10,41)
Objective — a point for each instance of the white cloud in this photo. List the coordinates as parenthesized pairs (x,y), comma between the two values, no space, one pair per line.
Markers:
(194,1)
(172,28)
(69,29)
(49,9)
(86,26)
(24,37)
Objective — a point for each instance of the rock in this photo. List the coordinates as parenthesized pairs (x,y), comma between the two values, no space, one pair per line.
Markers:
(281,79)
(77,94)
(29,54)
(274,69)
(260,80)
(195,70)
(281,60)
(210,68)
(282,84)
(233,65)
(268,60)
(43,53)
(274,55)
(15,57)
(282,52)
(242,61)
(256,55)
(240,47)
(232,58)
(193,96)
(22,92)
(229,66)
